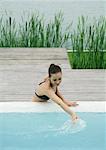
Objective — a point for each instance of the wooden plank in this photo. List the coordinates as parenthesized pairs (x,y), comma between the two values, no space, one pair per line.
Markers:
(34,53)
(19,78)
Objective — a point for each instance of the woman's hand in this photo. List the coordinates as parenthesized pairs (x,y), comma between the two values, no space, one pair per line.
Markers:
(69,103)
(74,117)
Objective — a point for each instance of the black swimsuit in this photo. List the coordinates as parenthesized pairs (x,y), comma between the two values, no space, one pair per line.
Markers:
(44,97)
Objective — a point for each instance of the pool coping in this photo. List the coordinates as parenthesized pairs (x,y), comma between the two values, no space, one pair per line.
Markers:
(84,106)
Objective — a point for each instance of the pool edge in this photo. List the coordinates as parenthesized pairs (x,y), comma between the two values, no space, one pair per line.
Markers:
(84,106)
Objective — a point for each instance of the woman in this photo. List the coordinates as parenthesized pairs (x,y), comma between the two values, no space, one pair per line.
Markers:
(48,89)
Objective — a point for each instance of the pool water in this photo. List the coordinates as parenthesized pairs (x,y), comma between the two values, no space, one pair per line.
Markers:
(52,131)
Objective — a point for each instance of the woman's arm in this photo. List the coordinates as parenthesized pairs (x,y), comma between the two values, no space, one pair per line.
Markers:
(69,103)
(60,95)
(59,101)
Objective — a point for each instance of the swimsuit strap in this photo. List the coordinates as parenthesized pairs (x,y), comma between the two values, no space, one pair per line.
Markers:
(41,82)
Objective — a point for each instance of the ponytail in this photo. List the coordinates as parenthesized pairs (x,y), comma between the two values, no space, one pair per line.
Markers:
(54,69)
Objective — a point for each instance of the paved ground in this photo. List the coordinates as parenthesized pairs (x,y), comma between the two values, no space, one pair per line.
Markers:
(22,69)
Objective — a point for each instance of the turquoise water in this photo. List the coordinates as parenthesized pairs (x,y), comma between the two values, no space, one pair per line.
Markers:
(52,131)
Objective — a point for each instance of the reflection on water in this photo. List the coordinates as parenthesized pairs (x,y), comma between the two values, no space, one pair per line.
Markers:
(69,127)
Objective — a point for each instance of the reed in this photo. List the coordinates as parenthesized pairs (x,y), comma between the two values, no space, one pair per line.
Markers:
(88,43)
(87,40)
(34,32)
(8,33)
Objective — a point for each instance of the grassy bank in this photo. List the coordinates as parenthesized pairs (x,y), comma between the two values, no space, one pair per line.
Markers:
(88,43)
(87,60)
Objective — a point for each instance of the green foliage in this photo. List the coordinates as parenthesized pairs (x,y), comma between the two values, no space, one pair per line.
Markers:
(33,33)
(88,43)
(87,40)
(87,60)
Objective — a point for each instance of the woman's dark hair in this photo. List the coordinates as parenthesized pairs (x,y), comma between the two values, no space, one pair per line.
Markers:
(54,69)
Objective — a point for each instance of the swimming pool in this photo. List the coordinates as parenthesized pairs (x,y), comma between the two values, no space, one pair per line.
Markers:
(52,131)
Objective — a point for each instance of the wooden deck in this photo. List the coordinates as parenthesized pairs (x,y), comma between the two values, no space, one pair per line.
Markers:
(21,69)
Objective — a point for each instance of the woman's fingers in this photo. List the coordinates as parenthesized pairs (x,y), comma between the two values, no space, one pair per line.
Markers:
(73,104)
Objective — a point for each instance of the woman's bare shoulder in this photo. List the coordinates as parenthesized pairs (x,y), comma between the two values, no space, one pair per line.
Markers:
(44,87)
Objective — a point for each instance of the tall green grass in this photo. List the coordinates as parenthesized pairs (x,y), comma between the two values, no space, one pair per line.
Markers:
(8,33)
(87,40)
(88,43)
(34,32)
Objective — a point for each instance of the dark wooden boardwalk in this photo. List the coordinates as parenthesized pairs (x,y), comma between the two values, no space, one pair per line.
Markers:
(21,69)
